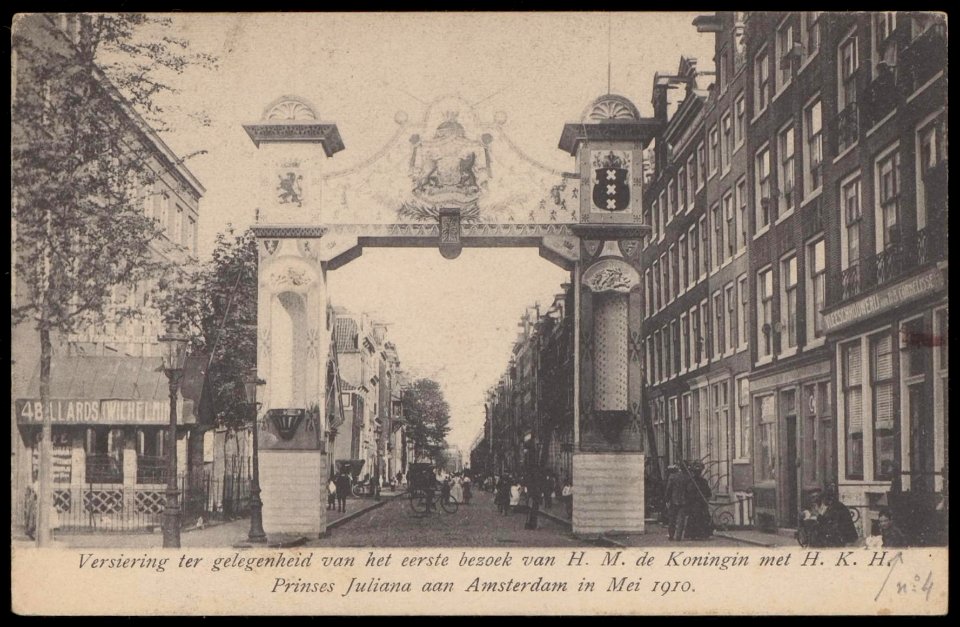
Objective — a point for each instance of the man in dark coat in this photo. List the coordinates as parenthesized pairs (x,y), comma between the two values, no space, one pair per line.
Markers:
(535,486)
(835,526)
(343,489)
(893,537)
(673,498)
(503,495)
(696,503)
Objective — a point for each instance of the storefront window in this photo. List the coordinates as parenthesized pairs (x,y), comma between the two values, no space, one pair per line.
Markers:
(104,449)
(884,420)
(766,438)
(151,455)
(853,409)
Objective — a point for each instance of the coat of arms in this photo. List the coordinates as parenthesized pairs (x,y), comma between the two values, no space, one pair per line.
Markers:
(449,170)
(290,189)
(611,182)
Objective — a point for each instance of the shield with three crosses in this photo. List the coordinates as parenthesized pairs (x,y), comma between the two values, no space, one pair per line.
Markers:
(611,185)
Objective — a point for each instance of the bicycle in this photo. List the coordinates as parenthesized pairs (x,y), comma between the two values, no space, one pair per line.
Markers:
(421,502)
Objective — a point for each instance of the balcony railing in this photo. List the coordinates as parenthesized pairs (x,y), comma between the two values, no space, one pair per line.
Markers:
(914,250)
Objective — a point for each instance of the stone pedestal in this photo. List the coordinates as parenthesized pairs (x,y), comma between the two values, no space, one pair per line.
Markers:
(293,488)
(608,494)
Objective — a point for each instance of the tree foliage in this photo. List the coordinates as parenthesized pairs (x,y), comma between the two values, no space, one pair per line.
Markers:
(217,305)
(427,415)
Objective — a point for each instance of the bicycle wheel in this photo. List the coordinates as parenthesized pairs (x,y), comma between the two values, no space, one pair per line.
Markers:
(418,503)
(357,489)
(449,505)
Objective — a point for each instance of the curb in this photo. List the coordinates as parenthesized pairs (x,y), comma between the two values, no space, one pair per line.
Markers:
(744,540)
(555,518)
(363,510)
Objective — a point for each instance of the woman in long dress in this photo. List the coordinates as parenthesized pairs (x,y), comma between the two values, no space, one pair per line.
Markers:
(456,490)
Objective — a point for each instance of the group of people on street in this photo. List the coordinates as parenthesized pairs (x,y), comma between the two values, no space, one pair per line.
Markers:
(687,497)
(338,488)
(827,522)
(537,489)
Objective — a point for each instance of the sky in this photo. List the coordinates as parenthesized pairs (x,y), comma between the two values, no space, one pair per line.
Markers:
(454,321)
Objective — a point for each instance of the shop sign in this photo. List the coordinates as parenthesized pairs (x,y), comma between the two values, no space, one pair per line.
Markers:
(104,411)
(884,300)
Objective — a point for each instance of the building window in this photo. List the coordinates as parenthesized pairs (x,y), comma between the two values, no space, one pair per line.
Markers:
(694,254)
(726,130)
(788,302)
(685,340)
(655,225)
(743,315)
(740,121)
(721,408)
(742,429)
(816,288)
(764,196)
(676,354)
(932,173)
(684,263)
(810,32)
(714,150)
(742,214)
(681,189)
(850,197)
(885,436)
(675,440)
(785,151)
(766,438)
(671,200)
(852,377)
(691,181)
(765,313)
(697,336)
(178,225)
(888,201)
(701,165)
(884,46)
(719,326)
(784,48)
(733,330)
(663,214)
(706,331)
(667,352)
(656,286)
(648,289)
(705,245)
(191,242)
(761,79)
(664,281)
(674,270)
(730,220)
(848,62)
(813,157)
(717,235)
(723,70)
(687,426)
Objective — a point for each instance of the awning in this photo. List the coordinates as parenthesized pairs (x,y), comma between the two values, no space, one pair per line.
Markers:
(113,390)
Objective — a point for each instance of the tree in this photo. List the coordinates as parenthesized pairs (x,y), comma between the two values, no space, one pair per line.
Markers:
(427,415)
(82,169)
(217,305)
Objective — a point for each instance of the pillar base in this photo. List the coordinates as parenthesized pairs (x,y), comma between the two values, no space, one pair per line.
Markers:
(608,493)
(293,490)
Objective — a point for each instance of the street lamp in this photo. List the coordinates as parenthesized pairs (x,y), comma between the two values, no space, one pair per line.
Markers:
(378,431)
(256,504)
(174,355)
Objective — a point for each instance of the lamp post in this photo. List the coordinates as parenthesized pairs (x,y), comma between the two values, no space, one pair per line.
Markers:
(256,504)
(174,355)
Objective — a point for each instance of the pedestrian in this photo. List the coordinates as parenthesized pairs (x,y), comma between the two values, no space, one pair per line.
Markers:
(343,489)
(456,490)
(467,490)
(503,495)
(535,487)
(547,485)
(696,503)
(331,494)
(566,493)
(835,526)
(673,498)
(399,479)
(893,537)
